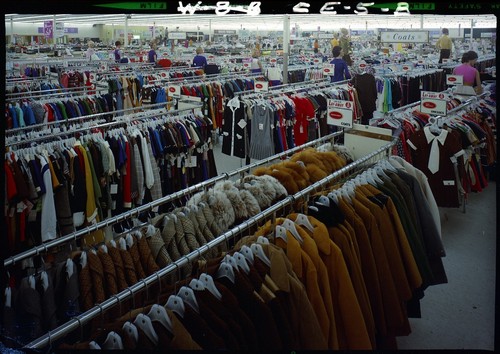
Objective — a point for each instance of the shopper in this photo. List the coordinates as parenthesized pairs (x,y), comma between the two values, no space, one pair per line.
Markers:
(470,74)
(335,40)
(90,52)
(345,44)
(444,45)
(341,70)
(118,51)
(256,65)
(152,56)
(316,46)
(199,61)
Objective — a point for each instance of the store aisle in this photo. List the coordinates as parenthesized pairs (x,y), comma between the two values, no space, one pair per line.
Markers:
(461,314)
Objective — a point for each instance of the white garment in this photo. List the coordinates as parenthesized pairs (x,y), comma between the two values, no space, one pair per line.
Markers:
(433,164)
(399,162)
(48,206)
(149,178)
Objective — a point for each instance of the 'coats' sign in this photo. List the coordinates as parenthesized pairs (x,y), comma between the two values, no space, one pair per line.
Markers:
(404,36)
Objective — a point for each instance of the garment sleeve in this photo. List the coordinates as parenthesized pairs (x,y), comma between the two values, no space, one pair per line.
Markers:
(347,74)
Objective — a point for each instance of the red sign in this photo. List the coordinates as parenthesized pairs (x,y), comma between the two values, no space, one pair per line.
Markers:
(171,89)
(259,86)
(452,79)
(429,105)
(362,65)
(327,70)
(336,115)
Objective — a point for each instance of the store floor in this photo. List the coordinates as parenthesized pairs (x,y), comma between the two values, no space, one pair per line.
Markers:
(461,313)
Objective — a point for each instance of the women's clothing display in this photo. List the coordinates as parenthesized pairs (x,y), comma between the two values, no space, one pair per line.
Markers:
(453,153)
(288,119)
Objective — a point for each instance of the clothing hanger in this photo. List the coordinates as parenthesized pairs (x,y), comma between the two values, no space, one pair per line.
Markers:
(303,220)
(93,345)
(258,251)
(197,284)
(290,226)
(176,304)
(281,232)
(130,330)
(208,281)
(226,270)
(144,322)
(263,240)
(113,341)
(247,252)
(241,261)
(158,313)
(187,294)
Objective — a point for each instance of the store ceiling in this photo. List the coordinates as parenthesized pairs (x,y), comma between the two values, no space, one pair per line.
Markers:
(307,22)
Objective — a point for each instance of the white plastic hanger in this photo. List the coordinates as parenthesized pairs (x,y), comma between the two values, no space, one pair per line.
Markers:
(158,313)
(69,267)
(123,243)
(112,243)
(376,177)
(290,226)
(83,259)
(93,345)
(130,240)
(258,251)
(197,284)
(210,285)
(241,262)
(104,248)
(280,232)
(324,200)
(176,304)
(45,280)
(225,270)
(247,252)
(187,294)
(333,196)
(303,220)
(113,341)
(262,240)
(144,322)
(131,331)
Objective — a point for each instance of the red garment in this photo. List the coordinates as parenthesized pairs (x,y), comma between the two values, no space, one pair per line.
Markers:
(10,182)
(304,110)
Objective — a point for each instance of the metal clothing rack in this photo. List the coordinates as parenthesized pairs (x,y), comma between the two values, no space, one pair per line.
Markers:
(289,201)
(151,205)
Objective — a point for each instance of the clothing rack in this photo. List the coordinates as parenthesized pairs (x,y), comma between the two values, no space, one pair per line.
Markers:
(138,116)
(151,205)
(97,310)
(81,118)
(45,93)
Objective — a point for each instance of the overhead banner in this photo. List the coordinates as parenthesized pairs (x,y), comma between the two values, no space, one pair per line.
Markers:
(48,29)
(59,32)
(177,35)
(404,36)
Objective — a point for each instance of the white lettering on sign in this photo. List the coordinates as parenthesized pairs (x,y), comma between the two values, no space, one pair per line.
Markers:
(403,8)
(221,8)
(404,36)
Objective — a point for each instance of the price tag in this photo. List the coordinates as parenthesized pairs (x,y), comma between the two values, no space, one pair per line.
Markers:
(174,91)
(113,189)
(362,65)
(261,86)
(340,113)
(328,69)
(433,102)
(454,79)
(164,74)
(193,161)
(273,60)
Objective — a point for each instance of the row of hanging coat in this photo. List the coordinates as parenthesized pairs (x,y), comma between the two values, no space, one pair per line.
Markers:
(103,270)
(170,236)
(399,90)
(454,151)
(28,112)
(261,127)
(321,280)
(58,187)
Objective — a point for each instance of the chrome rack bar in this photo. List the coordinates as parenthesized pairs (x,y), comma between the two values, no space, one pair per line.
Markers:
(149,206)
(87,316)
